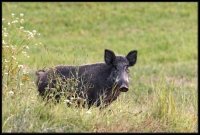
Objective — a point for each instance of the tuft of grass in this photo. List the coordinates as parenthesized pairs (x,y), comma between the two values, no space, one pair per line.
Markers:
(163,84)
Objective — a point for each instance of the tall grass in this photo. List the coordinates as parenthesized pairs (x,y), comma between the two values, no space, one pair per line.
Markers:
(163,85)
(17,83)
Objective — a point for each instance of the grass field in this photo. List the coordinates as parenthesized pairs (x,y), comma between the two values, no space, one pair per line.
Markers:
(163,87)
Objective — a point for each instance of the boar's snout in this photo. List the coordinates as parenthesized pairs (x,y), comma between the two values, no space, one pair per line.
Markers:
(123,88)
(122,84)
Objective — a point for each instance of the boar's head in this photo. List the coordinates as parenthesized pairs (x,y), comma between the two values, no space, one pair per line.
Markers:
(119,68)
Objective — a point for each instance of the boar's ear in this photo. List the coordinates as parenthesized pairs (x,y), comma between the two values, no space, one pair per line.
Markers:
(132,57)
(109,56)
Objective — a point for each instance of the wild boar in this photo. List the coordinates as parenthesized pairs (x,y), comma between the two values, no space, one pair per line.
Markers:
(98,84)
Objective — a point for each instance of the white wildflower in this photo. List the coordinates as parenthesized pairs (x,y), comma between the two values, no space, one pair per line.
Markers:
(24,52)
(13,14)
(3,42)
(67,100)
(15,21)
(21,84)
(14,57)
(28,56)
(27,47)
(3,19)
(6,73)
(88,112)
(6,61)
(34,31)
(21,27)
(21,14)
(20,66)
(5,34)
(22,20)
(11,92)
(8,23)
(30,34)
(72,98)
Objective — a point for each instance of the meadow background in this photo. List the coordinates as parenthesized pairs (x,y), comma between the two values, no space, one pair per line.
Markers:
(163,87)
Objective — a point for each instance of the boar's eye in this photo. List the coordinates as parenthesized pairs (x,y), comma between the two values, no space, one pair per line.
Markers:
(126,69)
(116,69)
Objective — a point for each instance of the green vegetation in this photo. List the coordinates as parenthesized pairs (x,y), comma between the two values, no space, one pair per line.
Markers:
(163,87)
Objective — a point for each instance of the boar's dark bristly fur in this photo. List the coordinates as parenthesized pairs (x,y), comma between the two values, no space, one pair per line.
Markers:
(99,83)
